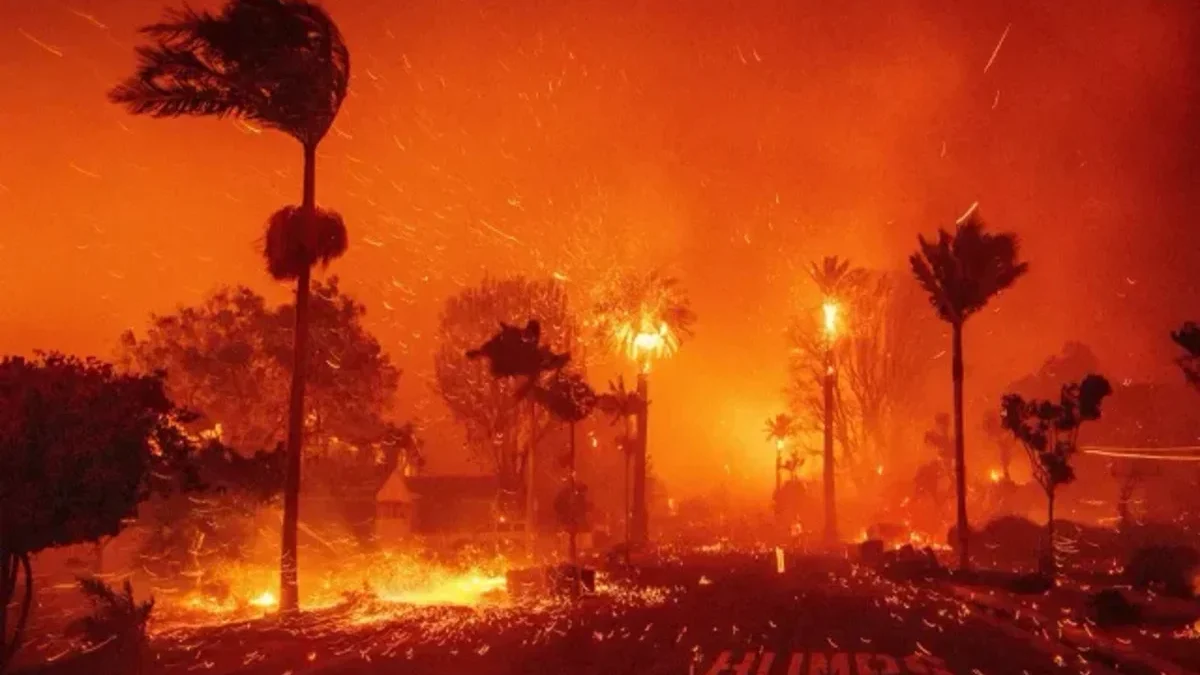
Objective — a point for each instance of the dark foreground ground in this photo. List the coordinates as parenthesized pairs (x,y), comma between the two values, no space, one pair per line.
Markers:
(708,614)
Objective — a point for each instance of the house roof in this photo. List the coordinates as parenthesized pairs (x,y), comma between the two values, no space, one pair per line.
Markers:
(401,488)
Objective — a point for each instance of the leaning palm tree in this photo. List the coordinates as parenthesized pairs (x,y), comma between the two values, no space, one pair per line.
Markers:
(961,272)
(515,352)
(778,430)
(281,64)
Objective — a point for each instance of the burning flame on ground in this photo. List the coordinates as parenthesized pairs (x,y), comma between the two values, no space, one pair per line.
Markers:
(995,475)
(246,590)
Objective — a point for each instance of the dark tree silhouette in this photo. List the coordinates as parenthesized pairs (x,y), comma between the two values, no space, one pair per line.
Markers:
(1049,431)
(186,536)
(282,64)
(489,409)
(570,400)
(931,474)
(960,273)
(624,405)
(230,359)
(1188,337)
(89,444)
(518,354)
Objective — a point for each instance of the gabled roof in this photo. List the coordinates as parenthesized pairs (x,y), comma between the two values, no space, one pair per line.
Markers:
(401,488)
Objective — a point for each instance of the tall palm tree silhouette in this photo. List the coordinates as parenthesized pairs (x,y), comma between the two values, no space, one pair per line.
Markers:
(284,65)
(961,272)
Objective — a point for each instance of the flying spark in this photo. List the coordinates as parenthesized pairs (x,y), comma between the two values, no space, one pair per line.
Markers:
(53,50)
(997,49)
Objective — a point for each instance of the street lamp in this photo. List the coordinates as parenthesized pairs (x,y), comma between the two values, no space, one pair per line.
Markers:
(830,311)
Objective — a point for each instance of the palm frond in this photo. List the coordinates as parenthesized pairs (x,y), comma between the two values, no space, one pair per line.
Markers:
(961,272)
(296,240)
(281,63)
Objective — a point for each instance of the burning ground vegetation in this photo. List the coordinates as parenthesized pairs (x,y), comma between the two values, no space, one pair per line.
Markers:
(447,596)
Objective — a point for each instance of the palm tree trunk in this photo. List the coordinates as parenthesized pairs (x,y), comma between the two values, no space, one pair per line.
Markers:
(289,590)
(574,551)
(8,648)
(530,494)
(830,504)
(960,469)
(628,457)
(641,518)
(1050,566)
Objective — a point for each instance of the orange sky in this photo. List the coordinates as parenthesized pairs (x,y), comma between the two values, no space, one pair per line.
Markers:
(731,141)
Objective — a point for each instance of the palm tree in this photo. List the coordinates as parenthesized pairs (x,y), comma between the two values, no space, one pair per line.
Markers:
(624,405)
(778,430)
(570,400)
(519,352)
(961,272)
(284,65)
(644,316)
(835,278)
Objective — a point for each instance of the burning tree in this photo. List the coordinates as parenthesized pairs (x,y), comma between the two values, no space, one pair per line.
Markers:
(881,356)
(230,359)
(644,316)
(960,273)
(779,429)
(1050,432)
(284,65)
(89,444)
(487,407)
(1188,337)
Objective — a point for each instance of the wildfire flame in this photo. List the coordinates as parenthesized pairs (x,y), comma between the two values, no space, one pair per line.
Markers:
(644,342)
(248,590)
(830,311)
(995,475)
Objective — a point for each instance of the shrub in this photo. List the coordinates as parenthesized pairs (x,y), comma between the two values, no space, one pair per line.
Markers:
(1164,569)
(117,622)
(1110,607)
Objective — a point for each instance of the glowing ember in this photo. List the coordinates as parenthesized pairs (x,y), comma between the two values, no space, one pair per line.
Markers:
(995,475)
(265,599)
